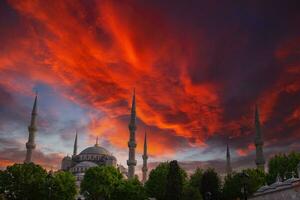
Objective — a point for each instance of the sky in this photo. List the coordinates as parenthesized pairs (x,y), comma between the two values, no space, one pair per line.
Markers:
(198,68)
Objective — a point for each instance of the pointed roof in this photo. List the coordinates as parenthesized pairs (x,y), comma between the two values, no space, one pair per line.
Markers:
(34,113)
(145,144)
(34,109)
(75,145)
(133,109)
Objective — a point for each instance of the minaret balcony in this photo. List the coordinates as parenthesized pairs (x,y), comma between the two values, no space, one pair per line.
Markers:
(144,169)
(131,144)
(30,145)
(131,162)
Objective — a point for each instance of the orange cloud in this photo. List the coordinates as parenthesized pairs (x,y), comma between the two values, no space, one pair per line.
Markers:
(101,72)
(95,56)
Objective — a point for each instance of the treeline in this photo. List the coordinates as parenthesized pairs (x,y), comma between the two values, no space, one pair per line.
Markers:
(168,181)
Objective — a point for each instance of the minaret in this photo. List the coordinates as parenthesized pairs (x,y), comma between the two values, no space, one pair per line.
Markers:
(131,162)
(259,143)
(228,162)
(30,145)
(145,158)
(97,142)
(75,146)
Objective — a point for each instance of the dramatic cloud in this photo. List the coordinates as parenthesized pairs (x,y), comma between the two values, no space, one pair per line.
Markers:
(198,69)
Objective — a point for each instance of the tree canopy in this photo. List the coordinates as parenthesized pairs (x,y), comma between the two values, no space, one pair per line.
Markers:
(61,186)
(130,190)
(211,184)
(283,165)
(175,182)
(233,183)
(24,181)
(31,182)
(100,182)
(157,181)
(158,178)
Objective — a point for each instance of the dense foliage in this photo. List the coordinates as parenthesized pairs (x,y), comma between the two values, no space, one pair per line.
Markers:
(156,186)
(168,181)
(211,184)
(32,182)
(61,186)
(175,182)
(100,182)
(283,165)
(129,190)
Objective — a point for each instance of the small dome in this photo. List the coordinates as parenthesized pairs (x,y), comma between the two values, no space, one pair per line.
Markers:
(85,164)
(67,158)
(95,150)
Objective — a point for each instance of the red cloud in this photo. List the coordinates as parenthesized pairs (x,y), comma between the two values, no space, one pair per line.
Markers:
(96,54)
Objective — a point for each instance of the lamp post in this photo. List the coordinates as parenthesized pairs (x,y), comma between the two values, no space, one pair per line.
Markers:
(244,191)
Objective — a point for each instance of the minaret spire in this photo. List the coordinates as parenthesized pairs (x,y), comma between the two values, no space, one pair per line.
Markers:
(145,158)
(259,143)
(131,162)
(30,145)
(97,142)
(228,161)
(75,145)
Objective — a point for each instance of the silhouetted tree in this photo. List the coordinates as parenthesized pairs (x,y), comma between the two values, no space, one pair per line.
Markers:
(157,182)
(196,179)
(211,183)
(174,187)
(190,192)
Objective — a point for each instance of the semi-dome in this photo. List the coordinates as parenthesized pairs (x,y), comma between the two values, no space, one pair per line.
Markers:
(85,164)
(95,150)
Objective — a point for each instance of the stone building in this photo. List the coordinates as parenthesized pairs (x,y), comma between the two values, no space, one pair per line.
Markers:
(280,190)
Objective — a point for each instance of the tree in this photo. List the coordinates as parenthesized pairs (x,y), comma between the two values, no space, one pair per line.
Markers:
(196,179)
(234,182)
(130,190)
(232,187)
(283,165)
(157,182)
(174,187)
(257,178)
(23,182)
(190,192)
(99,182)
(61,186)
(211,183)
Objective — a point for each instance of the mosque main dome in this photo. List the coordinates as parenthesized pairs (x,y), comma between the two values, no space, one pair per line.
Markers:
(97,150)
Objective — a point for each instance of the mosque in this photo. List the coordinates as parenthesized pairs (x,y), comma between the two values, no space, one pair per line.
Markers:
(95,155)
(99,156)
